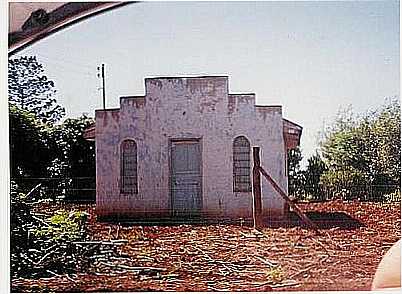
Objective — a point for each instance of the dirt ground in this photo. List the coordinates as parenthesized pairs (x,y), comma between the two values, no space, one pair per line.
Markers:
(235,257)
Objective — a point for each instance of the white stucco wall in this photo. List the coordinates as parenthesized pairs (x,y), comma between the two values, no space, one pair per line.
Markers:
(180,108)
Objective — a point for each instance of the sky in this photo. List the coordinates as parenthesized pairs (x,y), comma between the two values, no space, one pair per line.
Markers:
(313,58)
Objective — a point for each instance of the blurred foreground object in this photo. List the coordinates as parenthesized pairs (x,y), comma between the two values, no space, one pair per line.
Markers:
(32,21)
(388,274)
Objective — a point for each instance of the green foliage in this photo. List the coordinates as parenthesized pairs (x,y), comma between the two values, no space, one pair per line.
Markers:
(344,183)
(304,184)
(42,246)
(364,151)
(294,158)
(275,274)
(386,129)
(30,144)
(311,177)
(72,149)
(29,89)
(74,157)
(40,151)
(20,220)
(63,225)
(394,196)
(360,158)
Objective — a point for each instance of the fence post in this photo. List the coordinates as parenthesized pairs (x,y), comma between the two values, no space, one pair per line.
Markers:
(257,203)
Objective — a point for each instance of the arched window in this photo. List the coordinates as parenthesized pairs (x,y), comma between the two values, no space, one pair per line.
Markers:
(241,165)
(128,165)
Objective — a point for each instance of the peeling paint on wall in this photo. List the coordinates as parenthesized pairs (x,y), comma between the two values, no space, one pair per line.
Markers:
(188,108)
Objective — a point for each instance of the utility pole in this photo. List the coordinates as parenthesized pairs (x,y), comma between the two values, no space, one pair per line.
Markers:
(102,74)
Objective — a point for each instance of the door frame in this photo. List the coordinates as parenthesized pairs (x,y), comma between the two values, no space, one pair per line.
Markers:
(170,144)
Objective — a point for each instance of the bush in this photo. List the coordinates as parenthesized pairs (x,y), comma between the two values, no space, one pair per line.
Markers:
(363,153)
(345,183)
(40,247)
(63,226)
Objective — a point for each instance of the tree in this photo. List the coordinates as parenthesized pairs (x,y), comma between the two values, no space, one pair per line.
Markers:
(74,160)
(30,144)
(344,141)
(364,151)
(305,183)
(31,90)
(346,183)
(386,127)
(56,156)
(294,159)
(312,174)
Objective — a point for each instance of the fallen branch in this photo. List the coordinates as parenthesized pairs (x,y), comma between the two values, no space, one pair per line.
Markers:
(135,268)
(57,275)
(40,220)
(46,255)
(290,284)
(302,271)
(269,263)
(33,190)
(112,242)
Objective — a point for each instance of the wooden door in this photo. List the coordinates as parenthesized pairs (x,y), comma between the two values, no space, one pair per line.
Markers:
(186,178)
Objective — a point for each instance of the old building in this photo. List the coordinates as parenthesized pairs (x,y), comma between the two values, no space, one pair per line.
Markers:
(184,149)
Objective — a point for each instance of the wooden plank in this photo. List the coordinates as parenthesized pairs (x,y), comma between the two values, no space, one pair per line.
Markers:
(296,209)
(257,203)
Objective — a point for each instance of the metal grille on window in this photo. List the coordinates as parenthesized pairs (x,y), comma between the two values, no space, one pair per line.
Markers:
(241,165)
(129,182)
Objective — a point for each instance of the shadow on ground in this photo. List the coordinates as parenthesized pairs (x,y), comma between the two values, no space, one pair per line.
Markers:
(323,220)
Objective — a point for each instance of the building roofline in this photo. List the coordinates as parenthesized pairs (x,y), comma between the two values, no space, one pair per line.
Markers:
(186,77)
(268,106)
(292,123)
(107,109)
(238,94)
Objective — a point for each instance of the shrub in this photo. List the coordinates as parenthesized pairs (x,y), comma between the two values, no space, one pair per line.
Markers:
(345,183)
(40,247)
(63,226)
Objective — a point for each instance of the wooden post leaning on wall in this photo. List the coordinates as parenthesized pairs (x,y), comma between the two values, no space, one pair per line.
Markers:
(295,208)
(257,202)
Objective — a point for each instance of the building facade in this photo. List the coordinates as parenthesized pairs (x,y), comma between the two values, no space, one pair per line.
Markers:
(185,149)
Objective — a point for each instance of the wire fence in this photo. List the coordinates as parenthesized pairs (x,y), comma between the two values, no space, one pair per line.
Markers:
(83,189)
(372,193)
(78,189)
